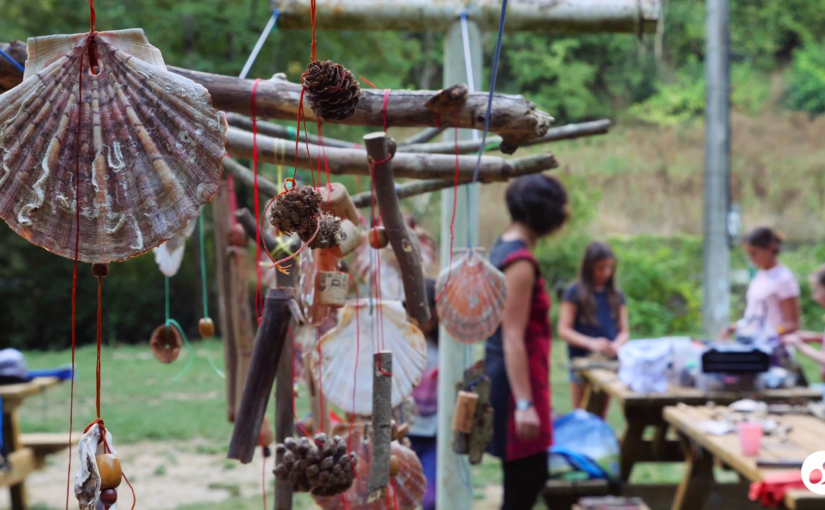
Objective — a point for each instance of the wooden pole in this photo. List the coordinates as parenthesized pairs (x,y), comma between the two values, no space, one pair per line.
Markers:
(381,424)
(284,418)
(222,220)
(380,149)
(272,335)
(453,470)
(569,16)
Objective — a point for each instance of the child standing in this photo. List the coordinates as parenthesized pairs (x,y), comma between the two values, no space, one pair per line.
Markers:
(593,316)
(423,431)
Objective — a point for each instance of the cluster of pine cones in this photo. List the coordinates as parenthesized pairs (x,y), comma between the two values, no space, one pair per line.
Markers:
(298,211)
(322,466)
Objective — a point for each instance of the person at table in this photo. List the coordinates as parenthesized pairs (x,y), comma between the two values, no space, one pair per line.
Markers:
(517,355)
(773,293)
(593,315)
(801,339)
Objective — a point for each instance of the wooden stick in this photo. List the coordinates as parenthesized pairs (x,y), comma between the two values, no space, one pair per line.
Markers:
(247,177)
(409,259)
(513,118)
(240,316)
(354,161)
(269,345)
(423,136)
(223,223)
(568,132)
(278,131)
(381,424)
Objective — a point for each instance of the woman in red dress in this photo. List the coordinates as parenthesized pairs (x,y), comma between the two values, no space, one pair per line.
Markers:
(518,353)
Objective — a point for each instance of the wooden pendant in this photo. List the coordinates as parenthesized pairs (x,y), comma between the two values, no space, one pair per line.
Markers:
(333,287)
(381,424)
(206,328)
(166,343)
(465,407)
(336,199)
(108,498)
(351,237)
(474,443)
(110,473)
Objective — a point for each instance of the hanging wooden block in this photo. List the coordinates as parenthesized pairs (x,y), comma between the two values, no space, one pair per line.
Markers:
(333,286)
(465,407)
(381,424)
(336,199)
(475,442)
(351,237)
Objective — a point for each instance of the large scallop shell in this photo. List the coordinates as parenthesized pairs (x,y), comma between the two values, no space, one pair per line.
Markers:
(407,487)
(472,306)
(147,145)
(355,341)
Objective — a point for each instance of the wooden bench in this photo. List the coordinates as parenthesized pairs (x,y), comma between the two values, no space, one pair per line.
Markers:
(563,494)
(47,444)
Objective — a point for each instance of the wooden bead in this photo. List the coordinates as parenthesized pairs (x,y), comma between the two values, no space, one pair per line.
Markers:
(378,238)
(395,465)
(206,328)
(110,473)
(108,498)
(100,270)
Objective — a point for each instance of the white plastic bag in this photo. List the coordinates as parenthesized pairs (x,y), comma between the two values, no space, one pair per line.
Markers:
(643,365)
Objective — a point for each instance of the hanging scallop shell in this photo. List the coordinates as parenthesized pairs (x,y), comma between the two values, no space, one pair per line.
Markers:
(354,341)
(169,255)
(471,307)
(148,147)
(409,484)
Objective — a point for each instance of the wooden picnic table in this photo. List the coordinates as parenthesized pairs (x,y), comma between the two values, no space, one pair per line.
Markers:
(26,452)
(645,410)
(807,435)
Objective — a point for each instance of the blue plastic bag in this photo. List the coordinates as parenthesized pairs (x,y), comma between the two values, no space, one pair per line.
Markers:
(583,443)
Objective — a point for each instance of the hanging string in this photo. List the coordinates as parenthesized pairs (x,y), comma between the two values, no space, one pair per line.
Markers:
(203,267)
(314,55)
(452,220)
(170,322)
(99,342)
(261,40)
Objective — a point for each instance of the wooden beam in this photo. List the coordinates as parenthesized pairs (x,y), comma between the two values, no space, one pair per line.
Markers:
(278,131)
(23,462)
(569,16)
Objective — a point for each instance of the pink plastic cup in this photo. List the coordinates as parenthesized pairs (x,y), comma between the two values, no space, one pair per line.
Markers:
(750,436)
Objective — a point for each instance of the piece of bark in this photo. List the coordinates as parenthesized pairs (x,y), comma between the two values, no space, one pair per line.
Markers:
(409,259)
(222,221)
(449,100)
(381,424)
(512,117)
(272,335)
(278,131)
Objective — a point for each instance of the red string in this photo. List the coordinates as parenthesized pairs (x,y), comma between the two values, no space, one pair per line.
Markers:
(76,256)
(92,19)
(384,109)
(324,155)
(438,120)
(259,293)
(394,494)
(99,343)
(452,221)
(314,54)
(233,200)
(320,384)
(371,84)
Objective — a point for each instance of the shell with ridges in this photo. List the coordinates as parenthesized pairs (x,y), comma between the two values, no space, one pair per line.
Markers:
(409,484)
(472,306)
(149,147)
(338,353)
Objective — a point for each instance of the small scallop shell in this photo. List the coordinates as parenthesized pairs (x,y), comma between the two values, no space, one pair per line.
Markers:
(169,255)
(146,143)
(409,484)
(354,340)
(472,306)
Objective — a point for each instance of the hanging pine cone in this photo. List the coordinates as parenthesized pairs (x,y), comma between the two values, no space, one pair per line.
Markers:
(330,234)
(295,211)
(322,466)
(331,90)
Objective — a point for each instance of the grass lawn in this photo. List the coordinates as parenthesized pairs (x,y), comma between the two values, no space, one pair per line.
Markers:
(140,402)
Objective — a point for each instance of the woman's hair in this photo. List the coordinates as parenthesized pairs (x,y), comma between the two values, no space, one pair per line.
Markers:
(538,201)
(818,277)
(585,299)
(764,237)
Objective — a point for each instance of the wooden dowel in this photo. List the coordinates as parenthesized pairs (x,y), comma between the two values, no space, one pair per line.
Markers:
(423,136)
(269,344)
(284,421)
(246,176)
(381,424)
(405,249)
(278,131)
(222,222)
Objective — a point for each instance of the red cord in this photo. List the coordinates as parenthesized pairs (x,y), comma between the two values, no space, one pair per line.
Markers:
(99,337)
(76,256)
(394,494)
(320,383)
(452,221)
(233,200)
(259,293)
(314,54)
(384,109)
(92,19)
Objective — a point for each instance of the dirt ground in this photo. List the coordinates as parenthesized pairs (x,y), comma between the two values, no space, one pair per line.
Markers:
(170,475)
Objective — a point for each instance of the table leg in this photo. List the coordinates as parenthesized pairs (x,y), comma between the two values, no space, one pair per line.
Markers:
(592,399)
(659,439)
(631,444)
(694,488)
(11,434)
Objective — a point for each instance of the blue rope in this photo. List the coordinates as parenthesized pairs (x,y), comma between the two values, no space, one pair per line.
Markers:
(13,62)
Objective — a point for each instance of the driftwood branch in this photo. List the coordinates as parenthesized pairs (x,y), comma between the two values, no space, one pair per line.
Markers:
(269,345)
(354,161)
(423,136)
(568,132)
(379,151)
(381,424)
(278,131)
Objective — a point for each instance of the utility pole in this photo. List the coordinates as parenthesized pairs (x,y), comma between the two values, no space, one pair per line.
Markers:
(716,304)
(454,487)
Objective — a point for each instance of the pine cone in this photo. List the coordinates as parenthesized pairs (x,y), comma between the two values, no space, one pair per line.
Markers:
(330,234)
(322,466)
(295,211)
(331,90)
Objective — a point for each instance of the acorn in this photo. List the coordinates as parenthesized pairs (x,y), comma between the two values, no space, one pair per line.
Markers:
(378,238)
(395,465)
(206,328)
(108,498)
(110,473)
